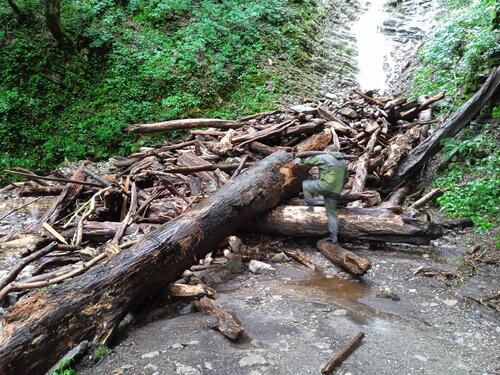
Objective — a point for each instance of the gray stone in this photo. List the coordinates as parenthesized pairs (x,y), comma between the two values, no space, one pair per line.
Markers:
(150,354)
(149,369)
(348,112)
(186,370)
(252,360)
(340,312)
(278,258)
(177,346)
(450,302)
(260,267)
(420,357)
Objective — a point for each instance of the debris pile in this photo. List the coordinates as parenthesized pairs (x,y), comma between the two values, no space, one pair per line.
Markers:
(95,216)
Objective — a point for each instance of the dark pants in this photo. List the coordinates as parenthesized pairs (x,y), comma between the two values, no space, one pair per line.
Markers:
(312,188)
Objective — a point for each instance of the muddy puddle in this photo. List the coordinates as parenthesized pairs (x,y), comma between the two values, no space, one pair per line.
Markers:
(332,286)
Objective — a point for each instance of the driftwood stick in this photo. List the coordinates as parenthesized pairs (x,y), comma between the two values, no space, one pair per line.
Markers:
(299,257)
(96,177)
(240,167)
(185,124)
(57,179)
(16,270)
(38,181)
(227,324)
(434,193)
(343,353)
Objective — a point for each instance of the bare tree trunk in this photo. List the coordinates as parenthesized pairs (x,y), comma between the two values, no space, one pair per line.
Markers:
(19,13)
(53,20)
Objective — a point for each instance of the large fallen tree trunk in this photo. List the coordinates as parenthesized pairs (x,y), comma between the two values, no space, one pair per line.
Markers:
(428,148)
(38,330)
(373,224)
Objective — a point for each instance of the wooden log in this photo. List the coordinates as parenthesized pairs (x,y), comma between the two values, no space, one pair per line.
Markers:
(190,123)
(399,146)
(343,258)
(190,163)
(29,190)
(39,329)
(427,149)
(346,350)
(358,224)
(261,148)
(189,291)
(227,324)
(433,194)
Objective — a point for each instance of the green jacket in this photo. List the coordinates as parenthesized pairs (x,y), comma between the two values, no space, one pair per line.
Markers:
(332,171)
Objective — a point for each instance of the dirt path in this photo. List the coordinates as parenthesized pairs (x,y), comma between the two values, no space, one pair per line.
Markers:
(295,319)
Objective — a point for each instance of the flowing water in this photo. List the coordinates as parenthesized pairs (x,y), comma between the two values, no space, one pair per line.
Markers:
(373,46)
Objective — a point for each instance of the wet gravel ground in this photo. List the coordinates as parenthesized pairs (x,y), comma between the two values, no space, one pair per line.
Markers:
(295,319)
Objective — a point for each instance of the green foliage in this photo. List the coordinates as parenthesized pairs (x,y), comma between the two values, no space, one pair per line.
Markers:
(100,352)
(137,61)
(465,46)
(472,180)
(64,368)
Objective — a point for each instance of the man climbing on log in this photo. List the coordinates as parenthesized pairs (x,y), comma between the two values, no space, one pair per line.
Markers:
(332,177)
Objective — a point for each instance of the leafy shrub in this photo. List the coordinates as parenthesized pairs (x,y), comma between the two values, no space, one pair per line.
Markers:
(472,180)
(463,47)
(136,61)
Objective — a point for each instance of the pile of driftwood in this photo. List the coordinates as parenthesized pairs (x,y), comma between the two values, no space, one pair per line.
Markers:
(123,236)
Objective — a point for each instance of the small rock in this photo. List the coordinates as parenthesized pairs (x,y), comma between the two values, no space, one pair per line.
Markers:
(228,254)
(260,267)
(117,371)
(235,244)
(186,370)
(348,112)
(278,258)
(177,346)
(127,367)
(193,342)
(340,312)
(209,366)
(450,302)
(150,354)
(412,290)
(149,369)
(187,274)
(420,357)
(322,345)
(252,360)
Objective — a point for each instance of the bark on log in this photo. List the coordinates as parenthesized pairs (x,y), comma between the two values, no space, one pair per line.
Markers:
(190,123)
(38,330)
(317,142)
(359,224)
(343,258)
(425,150)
